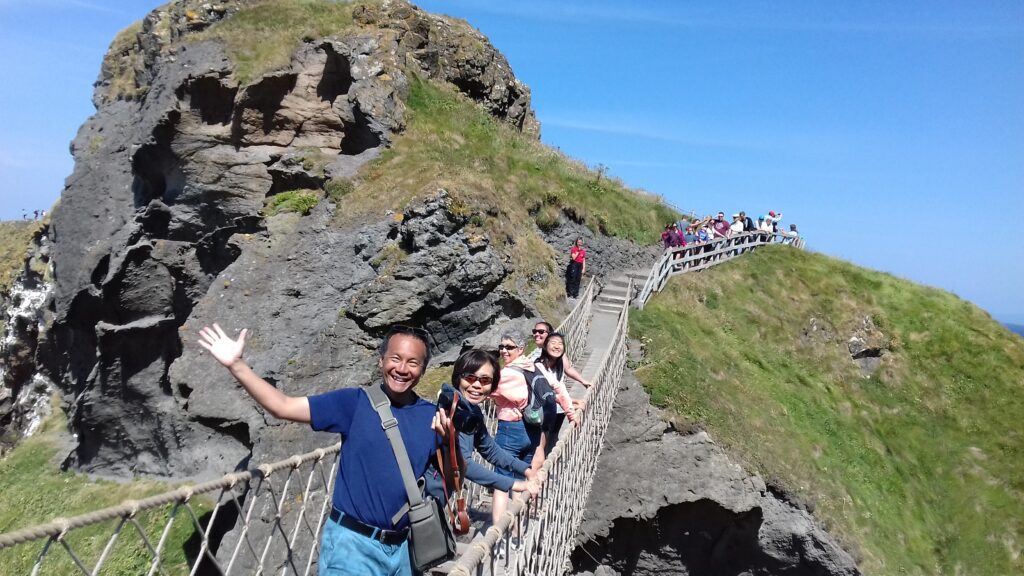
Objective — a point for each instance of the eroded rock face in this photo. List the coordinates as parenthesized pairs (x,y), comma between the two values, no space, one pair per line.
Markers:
(669,503)
(450,49)
(24,395)
(160,230)
(867,345)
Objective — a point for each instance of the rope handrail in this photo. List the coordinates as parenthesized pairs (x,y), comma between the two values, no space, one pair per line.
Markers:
(575,327)
(545,528)
(291,544)
(61,526)
(696,257)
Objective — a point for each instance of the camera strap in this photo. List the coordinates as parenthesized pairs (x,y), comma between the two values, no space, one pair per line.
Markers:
(451,469)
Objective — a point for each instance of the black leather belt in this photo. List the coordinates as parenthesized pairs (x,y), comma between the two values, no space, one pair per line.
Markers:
(390,537)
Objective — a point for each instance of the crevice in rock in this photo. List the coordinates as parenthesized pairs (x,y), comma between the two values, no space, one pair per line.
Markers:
(207,97)
(227,517)
(293,179)
(868,353)
(337,77)
(359,136)
(215,252)
(155,221)
(99,273)
(699,537)
(512,307)
(265,99)
(233,428)
(156,168)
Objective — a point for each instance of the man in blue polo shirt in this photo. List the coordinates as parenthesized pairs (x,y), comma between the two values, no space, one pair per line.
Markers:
(368,529)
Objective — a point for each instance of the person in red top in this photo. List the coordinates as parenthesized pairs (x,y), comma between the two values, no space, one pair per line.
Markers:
(720,226)
(577,268)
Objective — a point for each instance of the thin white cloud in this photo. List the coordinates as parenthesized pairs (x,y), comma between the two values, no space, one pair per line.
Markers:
(615,129)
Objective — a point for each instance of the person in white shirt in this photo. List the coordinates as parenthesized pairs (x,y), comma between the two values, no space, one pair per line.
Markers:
(737,225)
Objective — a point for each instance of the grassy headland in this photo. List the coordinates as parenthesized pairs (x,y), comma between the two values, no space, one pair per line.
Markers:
(15,238)
(918,468)
(263,36)
(502,181)
(33,490)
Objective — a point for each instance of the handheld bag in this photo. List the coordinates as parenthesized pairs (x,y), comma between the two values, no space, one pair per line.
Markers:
(431,542)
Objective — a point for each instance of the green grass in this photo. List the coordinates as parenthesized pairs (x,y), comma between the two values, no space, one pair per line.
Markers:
(300,201)
(919,469)
(499,180)
(33,491)
(15,238)
(452,143)
(121,59)
(262,37)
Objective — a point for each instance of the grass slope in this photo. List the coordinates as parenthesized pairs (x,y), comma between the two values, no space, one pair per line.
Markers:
(502,181)
(919,468)
(15,238)
(452,143)
(33,490)
(261,37)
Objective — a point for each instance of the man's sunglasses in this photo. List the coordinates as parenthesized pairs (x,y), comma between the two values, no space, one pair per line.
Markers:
(540,331)
(473,379)
(508,347)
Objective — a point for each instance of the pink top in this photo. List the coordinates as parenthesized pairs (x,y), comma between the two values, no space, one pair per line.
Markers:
(511,394)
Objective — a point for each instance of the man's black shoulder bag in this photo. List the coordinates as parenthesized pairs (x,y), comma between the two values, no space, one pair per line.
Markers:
(431,542)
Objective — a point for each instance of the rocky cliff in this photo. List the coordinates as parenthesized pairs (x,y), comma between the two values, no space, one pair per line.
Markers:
(667,501)
(169,222)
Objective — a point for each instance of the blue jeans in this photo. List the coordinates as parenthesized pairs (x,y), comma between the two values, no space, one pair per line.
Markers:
(347,553)
(519,440)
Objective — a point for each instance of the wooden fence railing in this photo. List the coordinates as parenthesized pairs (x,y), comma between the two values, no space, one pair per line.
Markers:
(696,257)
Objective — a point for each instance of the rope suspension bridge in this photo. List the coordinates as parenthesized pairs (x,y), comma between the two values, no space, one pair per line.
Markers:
(290,499)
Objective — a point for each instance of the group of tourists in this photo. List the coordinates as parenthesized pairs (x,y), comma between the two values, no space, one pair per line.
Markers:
(368,531)
(704,230)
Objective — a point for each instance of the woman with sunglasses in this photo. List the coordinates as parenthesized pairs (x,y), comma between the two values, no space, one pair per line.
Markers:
(510,398)
(541,330)
(475,373)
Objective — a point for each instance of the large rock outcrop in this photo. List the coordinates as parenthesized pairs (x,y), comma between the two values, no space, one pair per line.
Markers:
(674,503)
(161,230)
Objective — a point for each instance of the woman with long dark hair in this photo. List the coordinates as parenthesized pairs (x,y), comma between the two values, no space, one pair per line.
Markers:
(475,374)
(551,365)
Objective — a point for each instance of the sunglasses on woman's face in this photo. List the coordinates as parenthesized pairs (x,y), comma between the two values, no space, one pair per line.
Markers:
(509,347)
(540,331)
(473,379)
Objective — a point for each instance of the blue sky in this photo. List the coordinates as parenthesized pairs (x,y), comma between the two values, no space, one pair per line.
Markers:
(892,134)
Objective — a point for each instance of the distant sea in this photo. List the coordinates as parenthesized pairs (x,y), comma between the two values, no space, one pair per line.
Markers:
(1017,328)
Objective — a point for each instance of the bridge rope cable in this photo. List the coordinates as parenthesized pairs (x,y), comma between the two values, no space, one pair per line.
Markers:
(268,494)
(535,536)
(576,328)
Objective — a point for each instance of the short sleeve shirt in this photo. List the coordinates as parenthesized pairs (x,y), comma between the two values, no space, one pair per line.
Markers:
(369,485)
(577,254)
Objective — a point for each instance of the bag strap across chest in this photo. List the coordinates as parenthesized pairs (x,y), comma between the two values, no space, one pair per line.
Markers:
(382,404)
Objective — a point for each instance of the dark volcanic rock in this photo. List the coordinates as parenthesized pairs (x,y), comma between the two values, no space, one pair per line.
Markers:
(160,230)
(24,395)
(606,255)
(665,502)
